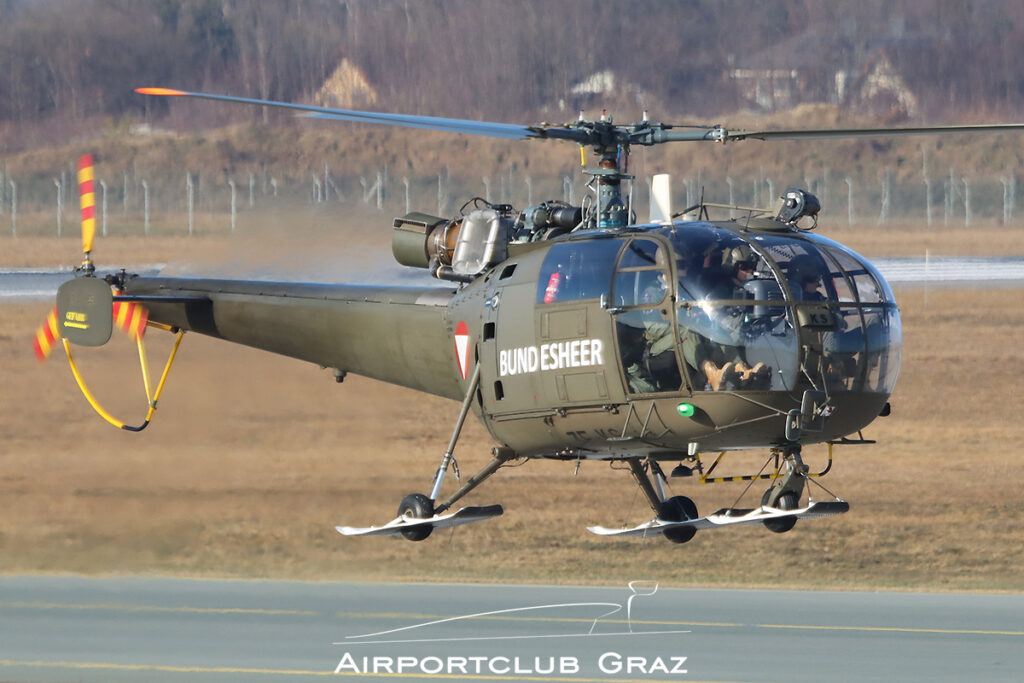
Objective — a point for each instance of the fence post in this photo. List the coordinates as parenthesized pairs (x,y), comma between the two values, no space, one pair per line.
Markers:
(849,200)
(405,182)
(190,194)
(234,205)
(883,215)
(967,202)
(145,205)
(60,206)
(928,201)
(442,196)
(950,190)
(1009,197)
(103,205)
(14,208)
(732,195)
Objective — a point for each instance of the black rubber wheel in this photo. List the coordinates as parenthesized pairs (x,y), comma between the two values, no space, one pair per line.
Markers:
(787,501)
(416,506)
(678,509)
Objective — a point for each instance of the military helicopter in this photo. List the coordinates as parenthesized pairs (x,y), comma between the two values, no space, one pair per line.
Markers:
(575,333)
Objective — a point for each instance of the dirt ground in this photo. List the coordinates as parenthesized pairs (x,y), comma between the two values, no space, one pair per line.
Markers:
(252,460)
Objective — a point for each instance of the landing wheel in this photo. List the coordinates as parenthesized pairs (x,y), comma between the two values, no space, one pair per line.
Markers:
(787,501)
(416,506)
(678,509)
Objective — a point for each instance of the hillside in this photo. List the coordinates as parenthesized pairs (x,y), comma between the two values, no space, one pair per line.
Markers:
(70,63)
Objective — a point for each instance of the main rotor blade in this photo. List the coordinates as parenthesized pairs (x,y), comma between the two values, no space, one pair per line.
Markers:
(816,134)
(489,129)
(603,135)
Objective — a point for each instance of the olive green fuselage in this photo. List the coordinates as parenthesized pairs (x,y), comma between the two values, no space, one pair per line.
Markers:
(557,376)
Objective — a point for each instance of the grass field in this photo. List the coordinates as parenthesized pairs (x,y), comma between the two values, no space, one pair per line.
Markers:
(253,459)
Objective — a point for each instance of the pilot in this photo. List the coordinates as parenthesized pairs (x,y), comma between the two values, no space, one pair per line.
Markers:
(656,369)
(724,364)
(840,345)
(724,279)
(805,278)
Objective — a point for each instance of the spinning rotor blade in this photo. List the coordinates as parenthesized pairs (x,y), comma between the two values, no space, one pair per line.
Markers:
(495,130)
(604,135)
(818,134)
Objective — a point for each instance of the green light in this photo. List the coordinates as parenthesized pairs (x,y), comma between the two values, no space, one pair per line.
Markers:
(685,409)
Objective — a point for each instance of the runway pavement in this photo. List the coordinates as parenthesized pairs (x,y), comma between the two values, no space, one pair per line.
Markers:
(145,629)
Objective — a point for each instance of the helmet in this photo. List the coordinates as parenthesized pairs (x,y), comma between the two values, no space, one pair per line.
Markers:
(803,269)
(741,255)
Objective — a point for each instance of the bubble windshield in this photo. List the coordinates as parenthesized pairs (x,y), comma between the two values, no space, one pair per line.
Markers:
(760,312)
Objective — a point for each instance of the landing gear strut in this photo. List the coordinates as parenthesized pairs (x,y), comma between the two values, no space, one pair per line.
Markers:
(674,509)
(785,493)
(418,515)
(677,520)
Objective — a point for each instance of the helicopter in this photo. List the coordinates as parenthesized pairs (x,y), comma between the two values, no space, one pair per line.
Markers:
(574,332)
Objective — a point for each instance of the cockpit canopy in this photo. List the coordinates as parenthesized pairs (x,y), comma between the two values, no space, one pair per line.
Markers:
(754,311)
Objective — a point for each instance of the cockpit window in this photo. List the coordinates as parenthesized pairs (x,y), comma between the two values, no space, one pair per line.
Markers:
(714,264)
(642,253)
(743,298)
(871,287)
(644,327)
(573,271)
(809,275)
(642,276)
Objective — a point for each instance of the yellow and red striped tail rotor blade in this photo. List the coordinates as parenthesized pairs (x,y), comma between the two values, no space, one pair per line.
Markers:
(46,337)
(87,197)
(130,318)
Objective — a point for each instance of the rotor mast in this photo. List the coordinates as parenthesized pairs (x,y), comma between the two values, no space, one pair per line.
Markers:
(611,144)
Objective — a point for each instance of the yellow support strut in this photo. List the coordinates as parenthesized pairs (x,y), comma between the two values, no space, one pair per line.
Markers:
(706,478)
(151,399)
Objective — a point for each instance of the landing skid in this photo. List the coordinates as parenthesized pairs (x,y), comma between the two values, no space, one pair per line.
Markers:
(395,527)
(727,517)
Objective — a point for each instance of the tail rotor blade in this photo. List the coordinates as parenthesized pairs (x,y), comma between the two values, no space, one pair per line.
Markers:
(130,318)
(87,197)
(47,336)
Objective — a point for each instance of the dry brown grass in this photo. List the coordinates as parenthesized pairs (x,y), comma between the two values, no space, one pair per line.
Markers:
(252,459)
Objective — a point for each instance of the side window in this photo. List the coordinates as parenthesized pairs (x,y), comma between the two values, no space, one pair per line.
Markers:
(641,278)
(573,271)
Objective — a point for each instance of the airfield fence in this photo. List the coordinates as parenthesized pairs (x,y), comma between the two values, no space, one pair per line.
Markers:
(136,201)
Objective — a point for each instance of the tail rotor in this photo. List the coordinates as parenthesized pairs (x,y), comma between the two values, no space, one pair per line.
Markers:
(87,311)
